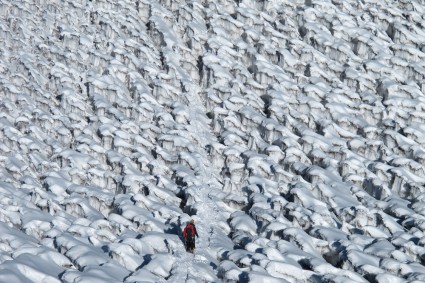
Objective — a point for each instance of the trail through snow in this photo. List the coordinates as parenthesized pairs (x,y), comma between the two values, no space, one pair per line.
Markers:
(207,209)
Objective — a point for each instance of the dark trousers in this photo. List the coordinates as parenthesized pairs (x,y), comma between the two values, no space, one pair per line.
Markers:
(190,245)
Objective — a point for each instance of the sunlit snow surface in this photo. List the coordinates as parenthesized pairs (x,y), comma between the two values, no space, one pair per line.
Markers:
(293,132)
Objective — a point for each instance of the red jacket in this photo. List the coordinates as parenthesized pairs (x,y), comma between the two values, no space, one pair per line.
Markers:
(190,226)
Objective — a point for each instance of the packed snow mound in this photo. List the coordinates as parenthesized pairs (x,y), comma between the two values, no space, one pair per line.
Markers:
(293,132)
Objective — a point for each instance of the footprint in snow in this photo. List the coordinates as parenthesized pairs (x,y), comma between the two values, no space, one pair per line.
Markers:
(200,258)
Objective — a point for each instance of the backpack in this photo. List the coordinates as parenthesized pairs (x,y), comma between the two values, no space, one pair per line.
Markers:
(189,232)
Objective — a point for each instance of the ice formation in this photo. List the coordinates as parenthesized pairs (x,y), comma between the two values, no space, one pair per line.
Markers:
(291,131)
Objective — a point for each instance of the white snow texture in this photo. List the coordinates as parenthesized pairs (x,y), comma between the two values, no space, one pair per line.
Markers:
(291,131)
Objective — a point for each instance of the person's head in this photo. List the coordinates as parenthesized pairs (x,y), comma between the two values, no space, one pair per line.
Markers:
(192,221)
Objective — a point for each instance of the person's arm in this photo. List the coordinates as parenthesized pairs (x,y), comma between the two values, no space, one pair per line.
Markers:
(196,232)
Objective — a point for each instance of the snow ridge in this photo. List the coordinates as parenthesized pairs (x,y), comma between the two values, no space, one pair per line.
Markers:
(291,131)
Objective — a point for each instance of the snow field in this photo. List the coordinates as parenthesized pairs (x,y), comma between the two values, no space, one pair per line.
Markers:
(291,131)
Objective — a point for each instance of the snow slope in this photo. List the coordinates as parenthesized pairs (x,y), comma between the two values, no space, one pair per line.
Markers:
(291,131)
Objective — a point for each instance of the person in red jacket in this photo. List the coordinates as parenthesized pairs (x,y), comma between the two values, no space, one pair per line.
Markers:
(189,234)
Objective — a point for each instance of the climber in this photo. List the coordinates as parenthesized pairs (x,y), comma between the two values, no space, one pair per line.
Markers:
(189,233)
